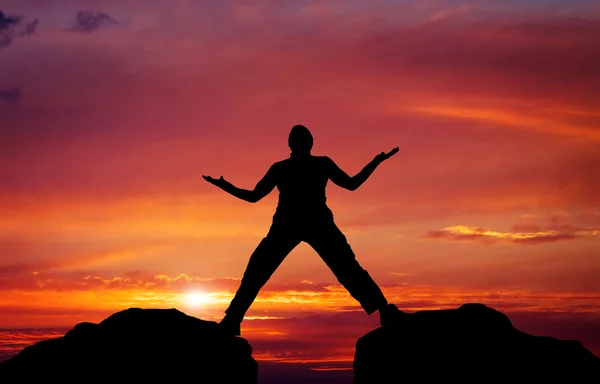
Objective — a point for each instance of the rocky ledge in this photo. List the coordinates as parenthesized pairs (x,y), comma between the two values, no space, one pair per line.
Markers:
(136,346)
(471,344)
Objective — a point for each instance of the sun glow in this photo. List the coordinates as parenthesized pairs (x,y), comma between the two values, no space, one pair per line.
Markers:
(197,299)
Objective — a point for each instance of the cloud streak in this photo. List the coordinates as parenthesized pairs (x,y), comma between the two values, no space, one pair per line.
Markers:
(545,122)
(136,280)
(526,235)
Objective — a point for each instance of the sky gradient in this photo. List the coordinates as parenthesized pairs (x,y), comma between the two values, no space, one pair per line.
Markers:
(110,112)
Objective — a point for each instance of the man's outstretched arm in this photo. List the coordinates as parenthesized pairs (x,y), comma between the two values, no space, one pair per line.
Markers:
(340,178)
(262,188)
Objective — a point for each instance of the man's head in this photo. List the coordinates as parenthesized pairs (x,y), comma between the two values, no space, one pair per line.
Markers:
(300,140)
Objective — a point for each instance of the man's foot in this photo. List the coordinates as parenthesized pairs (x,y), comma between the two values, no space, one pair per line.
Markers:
(230,326)
(389,314)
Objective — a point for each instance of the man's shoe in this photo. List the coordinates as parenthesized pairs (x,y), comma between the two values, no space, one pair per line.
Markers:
(230,326)
(390,314)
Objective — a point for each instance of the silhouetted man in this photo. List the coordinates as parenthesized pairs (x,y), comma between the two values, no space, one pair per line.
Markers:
(302,215)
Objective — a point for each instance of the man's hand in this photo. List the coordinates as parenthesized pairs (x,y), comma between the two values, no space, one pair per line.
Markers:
(384,156)
(220,182)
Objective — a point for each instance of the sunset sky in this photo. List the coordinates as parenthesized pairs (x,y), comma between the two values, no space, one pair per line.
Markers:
(111,111)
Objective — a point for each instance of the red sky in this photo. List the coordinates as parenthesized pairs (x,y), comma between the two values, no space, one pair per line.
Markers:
(108,123)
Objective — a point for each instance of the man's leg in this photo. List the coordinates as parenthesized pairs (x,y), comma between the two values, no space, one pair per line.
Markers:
(331,244)
(265,259)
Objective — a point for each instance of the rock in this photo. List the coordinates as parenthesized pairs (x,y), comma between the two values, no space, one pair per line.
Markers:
(136,346)
(471,344)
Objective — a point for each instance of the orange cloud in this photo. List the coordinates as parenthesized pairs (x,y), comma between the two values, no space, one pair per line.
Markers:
(519,235)
(134,280)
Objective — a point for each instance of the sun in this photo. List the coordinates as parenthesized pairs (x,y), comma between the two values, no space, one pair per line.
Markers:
(196,299)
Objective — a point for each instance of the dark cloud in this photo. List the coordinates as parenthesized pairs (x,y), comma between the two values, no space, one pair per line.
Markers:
(89,22)
(12,27)
(8,21)
(313,338)
(10,95)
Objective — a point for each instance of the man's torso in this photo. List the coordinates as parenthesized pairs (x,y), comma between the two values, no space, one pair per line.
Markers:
(301,182)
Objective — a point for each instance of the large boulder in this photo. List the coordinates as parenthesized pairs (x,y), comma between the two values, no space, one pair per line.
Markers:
(136,346)
(471,344)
